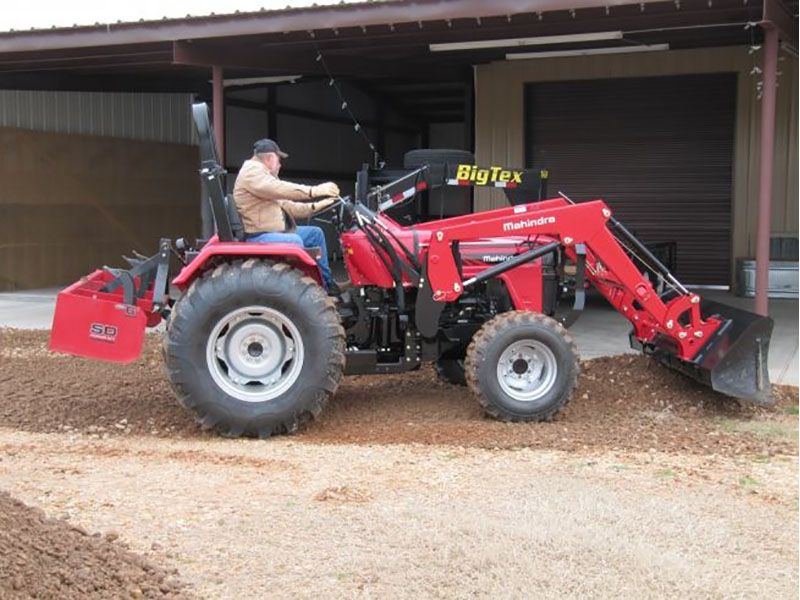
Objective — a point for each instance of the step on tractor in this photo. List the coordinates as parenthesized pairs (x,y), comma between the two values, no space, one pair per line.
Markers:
(255,346)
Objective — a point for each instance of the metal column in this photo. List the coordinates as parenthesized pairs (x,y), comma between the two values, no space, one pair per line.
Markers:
(766,167)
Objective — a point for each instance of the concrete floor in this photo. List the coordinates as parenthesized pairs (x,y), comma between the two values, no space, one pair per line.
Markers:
(600,331)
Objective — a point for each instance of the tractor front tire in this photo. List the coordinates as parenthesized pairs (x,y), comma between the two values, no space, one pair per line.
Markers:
(254,348)
(522,366)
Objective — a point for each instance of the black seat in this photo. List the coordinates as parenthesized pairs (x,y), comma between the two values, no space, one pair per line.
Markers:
(235,220)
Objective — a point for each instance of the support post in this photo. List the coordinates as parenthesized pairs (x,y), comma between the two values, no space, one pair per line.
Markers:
(218,100)
(766,168)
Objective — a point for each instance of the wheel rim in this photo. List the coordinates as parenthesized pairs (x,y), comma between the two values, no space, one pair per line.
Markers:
(527,370)
(255,353)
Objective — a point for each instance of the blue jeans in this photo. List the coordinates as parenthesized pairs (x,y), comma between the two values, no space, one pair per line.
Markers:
(307,236)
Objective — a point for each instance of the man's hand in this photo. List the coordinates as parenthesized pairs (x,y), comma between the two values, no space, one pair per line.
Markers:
(320,205)
(325,190)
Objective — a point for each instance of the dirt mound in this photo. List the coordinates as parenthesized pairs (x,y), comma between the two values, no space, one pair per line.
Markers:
(49,558)
(625,402)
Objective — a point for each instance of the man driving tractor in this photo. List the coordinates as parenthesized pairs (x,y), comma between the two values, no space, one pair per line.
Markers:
(269,206)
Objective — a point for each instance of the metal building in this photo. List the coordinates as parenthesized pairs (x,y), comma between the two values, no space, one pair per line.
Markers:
(681,114)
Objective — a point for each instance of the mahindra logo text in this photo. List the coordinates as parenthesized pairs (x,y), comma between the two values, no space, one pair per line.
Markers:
(524,223)
(495,258)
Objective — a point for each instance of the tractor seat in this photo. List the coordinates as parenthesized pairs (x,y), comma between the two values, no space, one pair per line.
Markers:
(238,229)
(234,219)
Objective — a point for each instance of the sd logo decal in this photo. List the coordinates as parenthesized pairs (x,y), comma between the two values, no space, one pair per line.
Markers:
(102,332)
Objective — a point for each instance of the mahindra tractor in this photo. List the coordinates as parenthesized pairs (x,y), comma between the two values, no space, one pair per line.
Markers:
(254,345)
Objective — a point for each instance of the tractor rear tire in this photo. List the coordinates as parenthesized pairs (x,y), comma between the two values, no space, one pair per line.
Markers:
(451,370)
(522,366)
(254,348)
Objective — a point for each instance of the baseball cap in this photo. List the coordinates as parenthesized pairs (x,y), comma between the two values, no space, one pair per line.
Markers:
(268,145)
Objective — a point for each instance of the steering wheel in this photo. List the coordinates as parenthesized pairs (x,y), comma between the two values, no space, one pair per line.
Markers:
(345,213)
(343,217)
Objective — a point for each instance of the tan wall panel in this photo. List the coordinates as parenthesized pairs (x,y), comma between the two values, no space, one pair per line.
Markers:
(499,127)
(785,214)
(72,203)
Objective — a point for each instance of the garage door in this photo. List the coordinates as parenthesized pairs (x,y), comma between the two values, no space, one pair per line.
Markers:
(658,150)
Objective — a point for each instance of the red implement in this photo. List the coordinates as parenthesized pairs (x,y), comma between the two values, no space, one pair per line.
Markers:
(97,324)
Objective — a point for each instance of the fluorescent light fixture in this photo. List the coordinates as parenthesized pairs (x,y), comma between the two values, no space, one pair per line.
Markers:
(587,51)
(544,40)
(254,80)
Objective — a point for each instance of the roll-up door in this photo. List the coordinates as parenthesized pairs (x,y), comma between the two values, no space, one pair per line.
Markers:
(658,150)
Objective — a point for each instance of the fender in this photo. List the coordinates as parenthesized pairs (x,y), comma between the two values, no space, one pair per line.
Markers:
(292,254)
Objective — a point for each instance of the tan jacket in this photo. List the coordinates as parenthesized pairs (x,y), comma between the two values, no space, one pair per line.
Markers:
(260,196)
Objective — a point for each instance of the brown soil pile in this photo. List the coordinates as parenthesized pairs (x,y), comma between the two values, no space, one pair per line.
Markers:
(48,558)
(624,402)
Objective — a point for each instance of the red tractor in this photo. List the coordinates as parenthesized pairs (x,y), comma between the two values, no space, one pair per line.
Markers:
(255,346)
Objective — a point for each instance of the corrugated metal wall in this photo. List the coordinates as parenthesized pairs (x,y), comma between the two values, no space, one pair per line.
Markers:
(499,125)
(72,203)
(148,117)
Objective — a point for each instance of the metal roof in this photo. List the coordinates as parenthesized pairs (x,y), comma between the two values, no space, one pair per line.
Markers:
(51,16)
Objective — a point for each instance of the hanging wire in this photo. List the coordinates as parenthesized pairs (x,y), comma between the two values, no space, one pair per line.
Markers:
(345,106)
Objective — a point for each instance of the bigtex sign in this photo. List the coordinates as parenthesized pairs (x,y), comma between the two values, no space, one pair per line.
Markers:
(495,176)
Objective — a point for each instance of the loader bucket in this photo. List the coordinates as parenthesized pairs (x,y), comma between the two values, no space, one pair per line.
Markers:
(734,360)
(96,324)
(736,357)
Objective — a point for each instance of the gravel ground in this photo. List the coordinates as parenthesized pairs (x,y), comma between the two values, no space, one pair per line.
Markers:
(647,486)
(624,402)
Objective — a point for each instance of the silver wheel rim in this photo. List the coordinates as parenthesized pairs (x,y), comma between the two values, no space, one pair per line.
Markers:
(255,353)
(527,370)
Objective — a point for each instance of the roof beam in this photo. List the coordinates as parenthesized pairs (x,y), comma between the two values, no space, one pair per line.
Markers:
(303,63)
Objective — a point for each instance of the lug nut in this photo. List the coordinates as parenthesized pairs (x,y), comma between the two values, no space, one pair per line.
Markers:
(682,335)
(670,324)
(698,334)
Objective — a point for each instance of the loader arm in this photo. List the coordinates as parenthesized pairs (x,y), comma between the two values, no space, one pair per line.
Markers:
(608,267)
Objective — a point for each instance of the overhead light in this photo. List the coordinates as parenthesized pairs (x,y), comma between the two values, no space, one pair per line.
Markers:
(530,41)
(255,80)
(587,51)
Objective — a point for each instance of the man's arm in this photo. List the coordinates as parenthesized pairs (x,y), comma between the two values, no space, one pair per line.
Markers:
(303,210)
(269,187)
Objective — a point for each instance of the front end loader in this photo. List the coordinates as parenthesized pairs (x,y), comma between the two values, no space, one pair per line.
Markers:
(253,344)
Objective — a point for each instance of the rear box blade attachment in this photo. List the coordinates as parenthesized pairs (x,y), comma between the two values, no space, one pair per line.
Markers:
(734,360)
(98,324)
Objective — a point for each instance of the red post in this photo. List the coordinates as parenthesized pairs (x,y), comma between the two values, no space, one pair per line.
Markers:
(765,174)
(218,100)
